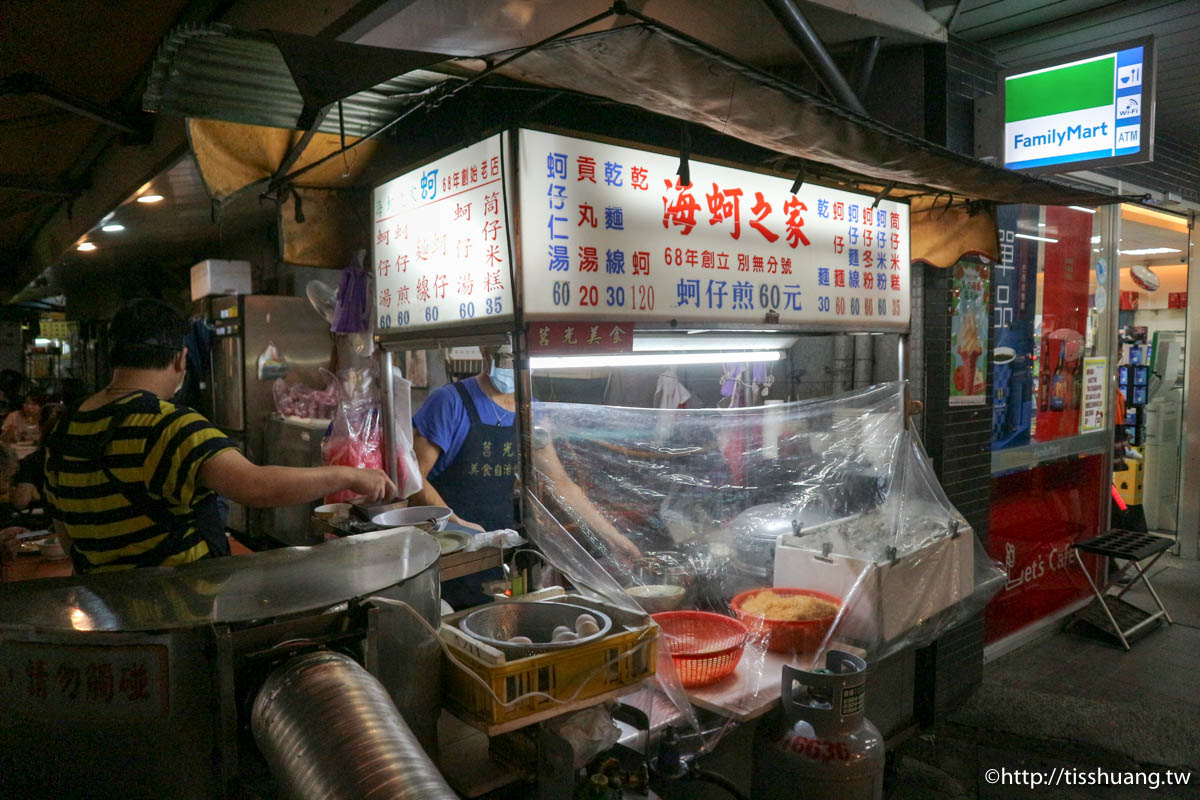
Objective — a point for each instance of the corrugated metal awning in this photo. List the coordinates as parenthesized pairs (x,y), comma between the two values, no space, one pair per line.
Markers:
(664,71)
(280,80)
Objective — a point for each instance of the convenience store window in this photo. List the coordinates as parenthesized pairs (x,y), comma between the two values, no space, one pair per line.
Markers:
(1054,297)
(1154,248)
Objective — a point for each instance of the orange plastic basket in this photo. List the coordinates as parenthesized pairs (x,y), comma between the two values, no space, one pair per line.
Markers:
(799,637)
(704,647)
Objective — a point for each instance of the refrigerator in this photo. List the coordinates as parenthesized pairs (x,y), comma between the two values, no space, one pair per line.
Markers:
(258,338)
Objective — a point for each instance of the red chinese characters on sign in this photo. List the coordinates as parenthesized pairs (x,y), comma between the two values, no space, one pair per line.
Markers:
(641,263)
(81,681)
(580,338)
(725,204)
(587,169)
(470,175)
(762,208)
(639,178)
(680,212)
(795,222)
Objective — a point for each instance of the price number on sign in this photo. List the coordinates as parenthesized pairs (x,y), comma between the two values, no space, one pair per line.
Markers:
(399,320)
(495,305)
(642,297)
(466,310)
(615,296)
(768,296)
(589,296)
(823,304)
(431,313)
(561,293)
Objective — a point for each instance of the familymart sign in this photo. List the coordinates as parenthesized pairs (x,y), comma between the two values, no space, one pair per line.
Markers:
(1095,109)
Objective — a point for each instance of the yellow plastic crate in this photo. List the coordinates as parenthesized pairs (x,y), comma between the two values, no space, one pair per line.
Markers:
(558,674)
(1129,482)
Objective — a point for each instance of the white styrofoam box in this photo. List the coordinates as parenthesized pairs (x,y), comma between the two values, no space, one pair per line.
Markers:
(216,276)
(892,598)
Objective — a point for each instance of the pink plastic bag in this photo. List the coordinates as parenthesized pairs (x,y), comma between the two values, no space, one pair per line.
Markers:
(305,402)
(355,438)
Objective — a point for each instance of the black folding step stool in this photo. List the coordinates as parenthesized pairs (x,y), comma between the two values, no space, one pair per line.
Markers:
(1132,547)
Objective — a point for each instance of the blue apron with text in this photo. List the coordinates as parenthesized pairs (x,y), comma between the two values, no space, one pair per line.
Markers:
(478,487)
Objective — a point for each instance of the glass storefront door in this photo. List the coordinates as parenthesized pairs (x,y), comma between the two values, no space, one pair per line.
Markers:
(1153,263)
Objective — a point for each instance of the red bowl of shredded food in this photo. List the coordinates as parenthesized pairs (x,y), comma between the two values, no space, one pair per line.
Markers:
(789,620)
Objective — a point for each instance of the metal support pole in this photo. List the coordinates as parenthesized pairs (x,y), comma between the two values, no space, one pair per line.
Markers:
(389,415)
(868,52)
(794,22)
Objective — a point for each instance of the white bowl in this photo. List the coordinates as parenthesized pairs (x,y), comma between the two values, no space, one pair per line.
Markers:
(51,549)
(430,517)
(332,511)
(658,597)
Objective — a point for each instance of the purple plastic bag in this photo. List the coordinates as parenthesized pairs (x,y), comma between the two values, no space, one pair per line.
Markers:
(353,308)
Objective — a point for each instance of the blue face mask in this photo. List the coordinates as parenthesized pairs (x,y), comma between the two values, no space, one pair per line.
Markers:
(503,379)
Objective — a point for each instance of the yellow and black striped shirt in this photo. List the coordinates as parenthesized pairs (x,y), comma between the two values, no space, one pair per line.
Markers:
(155,454)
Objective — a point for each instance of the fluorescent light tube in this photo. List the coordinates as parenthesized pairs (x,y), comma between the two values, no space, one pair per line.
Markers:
(1149,251)
(1036,238)
(649,359)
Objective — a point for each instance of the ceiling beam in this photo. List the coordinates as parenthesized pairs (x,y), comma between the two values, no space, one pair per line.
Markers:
(792,20)
(24,183)
(115,172)
(29,85)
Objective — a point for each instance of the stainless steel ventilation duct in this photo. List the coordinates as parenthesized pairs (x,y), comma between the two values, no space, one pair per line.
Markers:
(328,729)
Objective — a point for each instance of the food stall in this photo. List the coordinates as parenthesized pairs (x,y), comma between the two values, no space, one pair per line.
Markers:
(595,257)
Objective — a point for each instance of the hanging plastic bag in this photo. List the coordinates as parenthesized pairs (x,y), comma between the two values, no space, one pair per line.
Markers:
(352,313)
(408,472)
(355,436)
(271,365)
(323,298)
(300,401)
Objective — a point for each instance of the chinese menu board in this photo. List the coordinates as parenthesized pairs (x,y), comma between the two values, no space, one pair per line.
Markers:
(440,243)
(613,232)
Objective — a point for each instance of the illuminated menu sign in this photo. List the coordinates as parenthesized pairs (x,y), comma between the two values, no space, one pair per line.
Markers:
(440,243)
(612,232)
(1093,110)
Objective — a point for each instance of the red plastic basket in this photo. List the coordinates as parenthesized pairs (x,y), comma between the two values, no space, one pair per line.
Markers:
(787,636)
(705,647)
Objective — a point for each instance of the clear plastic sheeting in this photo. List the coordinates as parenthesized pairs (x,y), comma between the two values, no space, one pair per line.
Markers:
(831,505)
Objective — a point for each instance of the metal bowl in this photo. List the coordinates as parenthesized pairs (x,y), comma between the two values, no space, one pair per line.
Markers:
(427,518)
(496,623)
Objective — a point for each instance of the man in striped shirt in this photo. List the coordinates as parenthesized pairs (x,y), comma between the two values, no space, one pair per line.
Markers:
(132,479)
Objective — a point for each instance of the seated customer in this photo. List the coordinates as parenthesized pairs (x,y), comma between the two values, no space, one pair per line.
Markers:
(21,425)
(29,484)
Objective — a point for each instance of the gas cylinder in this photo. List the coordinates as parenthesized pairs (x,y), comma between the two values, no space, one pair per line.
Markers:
(818,745)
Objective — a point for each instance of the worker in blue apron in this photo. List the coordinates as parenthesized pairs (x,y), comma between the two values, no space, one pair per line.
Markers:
(465,440)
